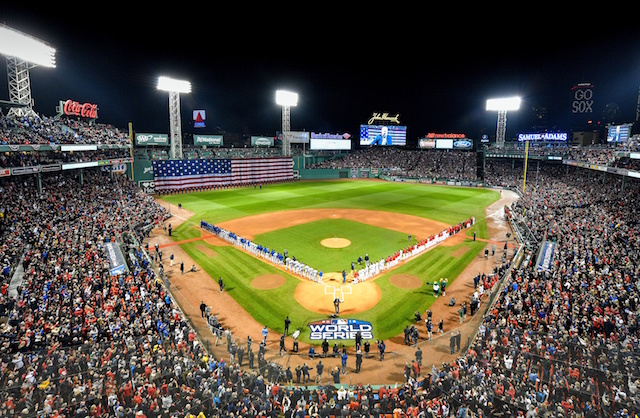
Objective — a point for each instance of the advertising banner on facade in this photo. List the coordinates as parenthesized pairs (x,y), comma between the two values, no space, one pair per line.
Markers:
(261,141)
(152,139)
(209,140)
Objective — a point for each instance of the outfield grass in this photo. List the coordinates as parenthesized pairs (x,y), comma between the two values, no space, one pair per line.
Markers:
(445,204)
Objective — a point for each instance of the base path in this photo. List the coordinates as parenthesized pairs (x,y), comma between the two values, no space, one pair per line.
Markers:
(250,226)
(192,288)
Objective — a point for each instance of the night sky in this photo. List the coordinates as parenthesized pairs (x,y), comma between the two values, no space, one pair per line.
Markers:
(434,69)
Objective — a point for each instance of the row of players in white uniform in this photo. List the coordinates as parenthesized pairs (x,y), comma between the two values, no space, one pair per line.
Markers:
(369,270)
(308,272)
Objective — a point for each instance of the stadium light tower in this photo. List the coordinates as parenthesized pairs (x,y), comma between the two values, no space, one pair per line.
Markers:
(23,52)
(174,87)
(286,99)
(502,106)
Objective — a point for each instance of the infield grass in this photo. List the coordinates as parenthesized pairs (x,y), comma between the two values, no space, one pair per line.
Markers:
(305,242)
(445,204)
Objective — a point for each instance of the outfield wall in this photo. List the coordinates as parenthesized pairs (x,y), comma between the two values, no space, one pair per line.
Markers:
(337,173)
(359,173)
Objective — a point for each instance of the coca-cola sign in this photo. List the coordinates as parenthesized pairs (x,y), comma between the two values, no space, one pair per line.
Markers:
(74,108)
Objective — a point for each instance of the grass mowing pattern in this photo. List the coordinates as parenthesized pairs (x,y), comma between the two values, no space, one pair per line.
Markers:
(445,204)
(397,306)
(304,243)
(237,270)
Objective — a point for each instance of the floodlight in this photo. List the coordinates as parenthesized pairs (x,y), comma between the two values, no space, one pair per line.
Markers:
(286,98)
(505,104)
(173,85)
(27,48)
(502,106)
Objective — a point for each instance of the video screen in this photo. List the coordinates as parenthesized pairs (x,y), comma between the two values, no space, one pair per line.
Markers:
(330,144)
(444,144)
(383,135)
(618,133)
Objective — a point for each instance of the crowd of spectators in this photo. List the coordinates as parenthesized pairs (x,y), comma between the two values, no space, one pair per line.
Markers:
(47,130)
(79,342)
(400,162)
(35,158)
(562,342)
(195,152)
(594,155)
(632,164)
(70,325)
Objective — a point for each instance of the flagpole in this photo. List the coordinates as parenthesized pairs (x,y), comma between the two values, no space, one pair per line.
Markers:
(526,159)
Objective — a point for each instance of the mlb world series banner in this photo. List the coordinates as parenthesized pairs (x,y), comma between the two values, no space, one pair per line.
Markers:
(117,265)
(545,256)
(340,329)
(182,175)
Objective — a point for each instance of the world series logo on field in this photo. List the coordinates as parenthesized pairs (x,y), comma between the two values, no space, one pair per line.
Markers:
(340,329)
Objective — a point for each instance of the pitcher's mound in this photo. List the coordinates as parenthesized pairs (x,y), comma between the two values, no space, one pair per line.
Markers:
(335,242)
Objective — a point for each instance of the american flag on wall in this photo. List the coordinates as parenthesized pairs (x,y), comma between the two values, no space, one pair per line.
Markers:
(188,174)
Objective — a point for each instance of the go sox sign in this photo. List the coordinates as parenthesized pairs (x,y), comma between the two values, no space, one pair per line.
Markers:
(582,98)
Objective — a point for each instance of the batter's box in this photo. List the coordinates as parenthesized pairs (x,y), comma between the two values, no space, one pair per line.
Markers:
(346,290)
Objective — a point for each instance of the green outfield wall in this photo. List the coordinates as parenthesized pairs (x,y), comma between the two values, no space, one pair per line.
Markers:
(337,173)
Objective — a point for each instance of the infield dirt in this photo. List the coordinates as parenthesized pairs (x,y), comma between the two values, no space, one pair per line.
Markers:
(192,288)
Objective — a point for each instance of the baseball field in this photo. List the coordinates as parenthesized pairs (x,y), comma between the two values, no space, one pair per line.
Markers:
(328,225)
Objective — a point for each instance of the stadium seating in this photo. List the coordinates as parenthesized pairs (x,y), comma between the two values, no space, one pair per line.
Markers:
(76,341)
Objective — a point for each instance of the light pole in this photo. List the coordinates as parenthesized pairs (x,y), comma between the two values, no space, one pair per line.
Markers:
(286,99)
(174,87)
(23,52)
(502,106)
